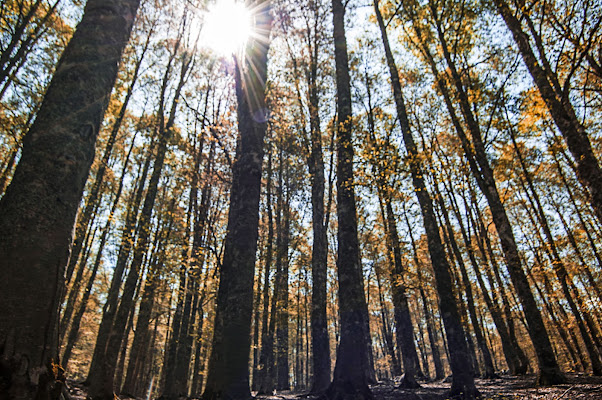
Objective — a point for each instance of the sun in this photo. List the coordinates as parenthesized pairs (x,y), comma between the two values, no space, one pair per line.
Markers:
(226,27)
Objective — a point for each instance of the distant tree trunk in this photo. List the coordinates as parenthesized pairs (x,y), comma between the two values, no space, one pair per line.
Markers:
(463,379)
(483,173)
(281,287)
(319,260)
(433,339)
(386,324)
(570,293)
(127,238)
(350,378)
(403,320)
(266,355)
(228,374)
(38,210)
(134,383)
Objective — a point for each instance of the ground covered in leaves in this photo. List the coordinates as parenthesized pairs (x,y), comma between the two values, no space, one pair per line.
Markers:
(579,387)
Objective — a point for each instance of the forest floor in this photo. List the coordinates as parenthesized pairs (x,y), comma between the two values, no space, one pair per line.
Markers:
(579,387)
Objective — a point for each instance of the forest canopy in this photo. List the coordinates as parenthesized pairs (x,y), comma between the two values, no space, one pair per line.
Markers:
(358,199)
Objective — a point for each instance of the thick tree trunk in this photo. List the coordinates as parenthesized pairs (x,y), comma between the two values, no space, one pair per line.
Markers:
(39,207)
(350,380)
(228,375)
(463,379)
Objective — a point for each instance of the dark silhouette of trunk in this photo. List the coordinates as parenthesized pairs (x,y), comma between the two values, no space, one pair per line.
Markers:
(256,320)
(38,210)
(24,35)
(387,333)
(93,199)
(350,378)
(403,320)
(584,225)
(228,375)
(127,238)
(512,351)
(559,105)
(433,339)
(584,265)
(266,355)
(282,275)
(319,258)
(463,379)
(135,383)
(172,347)
(74,292)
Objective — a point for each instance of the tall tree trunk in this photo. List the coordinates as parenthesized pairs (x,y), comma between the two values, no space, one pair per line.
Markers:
(38,210)
(267,331)
(549,371)
(228,375)
(127,238)
(559,105)
(350,378)
(281,287)
(570,293)
(319,258)
(463,379)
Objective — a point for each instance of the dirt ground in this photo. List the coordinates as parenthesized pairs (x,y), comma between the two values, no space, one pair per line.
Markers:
(579,387)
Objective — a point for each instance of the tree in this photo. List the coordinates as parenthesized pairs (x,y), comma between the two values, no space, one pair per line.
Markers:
(38,211)
(350,380)
(228,364)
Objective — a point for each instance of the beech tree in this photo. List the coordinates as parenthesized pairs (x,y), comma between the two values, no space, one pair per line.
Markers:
(38,209)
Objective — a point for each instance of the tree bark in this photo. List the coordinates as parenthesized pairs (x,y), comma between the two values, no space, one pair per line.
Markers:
(39,207)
